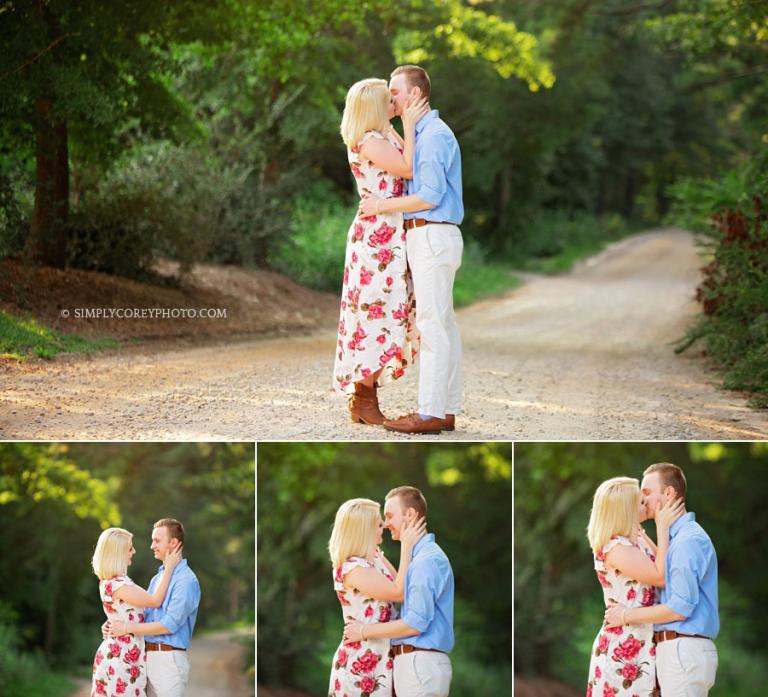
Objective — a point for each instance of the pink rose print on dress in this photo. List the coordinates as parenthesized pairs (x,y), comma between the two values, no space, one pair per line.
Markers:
(381,236)
(397,187)
(649,597)
(356,170)
(341,659)
(608,691)
(134,672)
(631,594)
(369,611)
(114,650)
(394,351)
(598,672)
(375,311)
(121,687)
(367,685)
(384,255)
(615,630)
(358,232)
(337,685)
(628,649)
(381,338)
(629,672)
(602,645)
(385,613)
(365,276)
(383,185)
(366,663)
(133,655)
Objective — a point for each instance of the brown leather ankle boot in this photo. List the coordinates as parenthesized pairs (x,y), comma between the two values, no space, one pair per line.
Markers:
(364,406)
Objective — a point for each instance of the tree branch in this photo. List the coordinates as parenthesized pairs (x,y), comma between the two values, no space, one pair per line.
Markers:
(37,56)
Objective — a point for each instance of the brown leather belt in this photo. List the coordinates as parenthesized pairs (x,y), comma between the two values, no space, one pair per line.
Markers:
(420,222)
(397,649)
(668,634)
(161,647)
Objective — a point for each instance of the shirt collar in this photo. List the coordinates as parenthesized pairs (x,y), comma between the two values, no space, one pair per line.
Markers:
(677,526)
(424,120)
(429,538)
(181,564)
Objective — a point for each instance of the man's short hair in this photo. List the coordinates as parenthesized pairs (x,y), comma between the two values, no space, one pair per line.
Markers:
(175,528)
(410,497)
(415,76)
(670,475)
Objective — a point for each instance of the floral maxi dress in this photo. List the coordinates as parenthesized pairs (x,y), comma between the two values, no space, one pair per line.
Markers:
(119,669)
(624,658)
(377,323)
(362,668)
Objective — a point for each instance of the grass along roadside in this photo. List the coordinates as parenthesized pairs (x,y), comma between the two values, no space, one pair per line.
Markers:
(21,338)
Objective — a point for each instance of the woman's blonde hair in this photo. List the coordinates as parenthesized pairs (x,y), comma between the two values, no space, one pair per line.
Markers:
(364,110)
(615,511)
(110,558)
(354,530)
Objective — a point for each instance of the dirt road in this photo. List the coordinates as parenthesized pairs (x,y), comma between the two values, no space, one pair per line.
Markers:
(586,355)
(216,669)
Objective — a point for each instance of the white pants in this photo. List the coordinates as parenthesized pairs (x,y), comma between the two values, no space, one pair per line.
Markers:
(422,674)
(686,667)
(434,255)
(167,673)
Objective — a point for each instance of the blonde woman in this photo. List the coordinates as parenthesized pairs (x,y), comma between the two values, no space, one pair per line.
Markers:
(119,667)
(629,568)
(377,336)
(367,585)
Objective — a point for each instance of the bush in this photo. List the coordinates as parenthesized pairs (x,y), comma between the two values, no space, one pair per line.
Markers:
(21,673)
(729,216)
(162,199)
(555,239)
(312,252)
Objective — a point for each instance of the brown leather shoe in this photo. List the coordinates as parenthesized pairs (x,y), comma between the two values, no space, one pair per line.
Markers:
(364,406)
(413,423)
(449,422)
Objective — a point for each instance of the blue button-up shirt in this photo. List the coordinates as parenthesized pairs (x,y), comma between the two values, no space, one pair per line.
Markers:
(691,573)
(428,599)
(178,612)
(437,171)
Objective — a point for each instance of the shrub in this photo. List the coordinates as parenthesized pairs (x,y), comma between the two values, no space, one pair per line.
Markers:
(312,251)
(729,216)
(162,199)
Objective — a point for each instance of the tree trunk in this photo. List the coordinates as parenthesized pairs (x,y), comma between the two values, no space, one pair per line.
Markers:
(47,242)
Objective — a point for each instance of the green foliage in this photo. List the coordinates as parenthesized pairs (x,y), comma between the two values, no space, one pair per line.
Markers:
(554,240)
(312,252)
(300,487)
(20,337)
(164,199)
(558,603)
(730,216)
(479,278)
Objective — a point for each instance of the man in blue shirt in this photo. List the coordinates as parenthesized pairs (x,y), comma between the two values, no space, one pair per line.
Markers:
(686,621)
(432,212)
(168,628)
(423,636)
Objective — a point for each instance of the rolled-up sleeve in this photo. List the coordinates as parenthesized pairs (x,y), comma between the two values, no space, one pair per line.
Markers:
(182,604)
(683,582)
(419,605)
(432,172)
